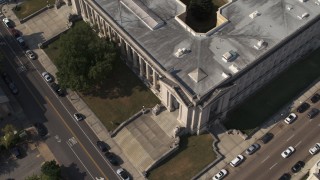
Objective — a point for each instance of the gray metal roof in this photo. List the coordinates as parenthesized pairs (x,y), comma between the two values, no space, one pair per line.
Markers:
(270,21)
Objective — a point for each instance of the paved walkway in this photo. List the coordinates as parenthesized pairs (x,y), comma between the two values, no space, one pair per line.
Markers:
(43,27)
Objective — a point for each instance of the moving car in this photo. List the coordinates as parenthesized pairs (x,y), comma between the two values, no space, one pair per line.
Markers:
(236,161)
(253,148)
(315,149)
(7,22)
(21,42)
(102,146)
(266,138)
(313,113)
(42,130)
(57,89)
(112,158)
(31,54)
(220,175)
(290,118)
(47,77)
(303,107)
(286,153)
(297,167)
(124,175)
(78,116)
(13,88)
(315,98)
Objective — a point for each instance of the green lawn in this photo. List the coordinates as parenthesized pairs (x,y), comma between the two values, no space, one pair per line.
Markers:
(30,6)
(257,109)
(122,95)
(194,154)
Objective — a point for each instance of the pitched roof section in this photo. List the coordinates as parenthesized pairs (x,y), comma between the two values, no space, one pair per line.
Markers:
(146,15)
(197,75)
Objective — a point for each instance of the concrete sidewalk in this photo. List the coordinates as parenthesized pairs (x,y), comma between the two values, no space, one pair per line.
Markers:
(43,27)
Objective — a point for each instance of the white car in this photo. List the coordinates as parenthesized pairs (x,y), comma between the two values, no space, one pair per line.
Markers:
(286,153)
(30,54)
(290,118)
(314,149)
(47,77)
(220,175)
(7,22)
(236,161)
(123,174)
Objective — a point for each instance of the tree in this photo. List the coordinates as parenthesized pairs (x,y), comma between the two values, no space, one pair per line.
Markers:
(51,169)
(85,60)
(10,136)
(201,9)
(33,177)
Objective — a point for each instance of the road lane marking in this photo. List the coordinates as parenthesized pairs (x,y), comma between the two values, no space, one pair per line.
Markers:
(290,137)
(80,160)
(74,135)
(298,144)
(273,166)
(265,159)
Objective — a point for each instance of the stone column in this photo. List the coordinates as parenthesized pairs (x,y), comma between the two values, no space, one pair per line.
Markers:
(135,59)
(122,47)
(147,72)
(109,32)
(141,66)
(154,78)
(88,12)
(84,10)
(129,56)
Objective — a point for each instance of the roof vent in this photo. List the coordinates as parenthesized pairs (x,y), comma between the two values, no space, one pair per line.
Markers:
(317,2)
(181,52)
(254,14)
(229,56)
(234,68)
(197,75)
(260,44)
(302,1)
(289,7)
(303,16)
(225,75)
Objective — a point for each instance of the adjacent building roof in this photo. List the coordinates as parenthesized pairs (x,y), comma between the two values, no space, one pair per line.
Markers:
(254,26)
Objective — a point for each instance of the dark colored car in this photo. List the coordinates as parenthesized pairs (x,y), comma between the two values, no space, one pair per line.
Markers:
(253,148)
(15,33)
(102,146)
(315,98)
(57,89)
(266,138)
(313,113)
(6,78)
(16,152)
(42,130)
(303,107)
(112,158)
(297,167)
(13,88)
(285,176)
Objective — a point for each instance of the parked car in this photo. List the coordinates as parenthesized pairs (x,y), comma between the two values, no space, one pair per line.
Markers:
(313,113)
(102,146)
(30,54)
(303,107)
(266,138)
(220,175)
(315,98)
(57,89)
(289,119)
(7,22)
(236,161)
(112,158)
(124,175)
(42,130)
(6,78)
(16,152)
(78,116)
(286,153)
(47,77)
(253,148)
(315,149)
(15,33)
(285,176)
(21,42)
(13,88)
(297,167)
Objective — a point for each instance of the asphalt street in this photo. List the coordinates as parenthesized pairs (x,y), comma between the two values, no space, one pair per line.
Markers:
(267,163)
(72,142)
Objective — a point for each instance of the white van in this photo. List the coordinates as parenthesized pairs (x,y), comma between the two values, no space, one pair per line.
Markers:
(236,161)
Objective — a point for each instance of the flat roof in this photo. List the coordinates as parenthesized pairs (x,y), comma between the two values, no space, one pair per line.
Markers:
(250,21)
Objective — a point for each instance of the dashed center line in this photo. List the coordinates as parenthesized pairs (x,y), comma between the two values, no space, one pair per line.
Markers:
(298,144)
(273,166)
(290,137)
(265,159)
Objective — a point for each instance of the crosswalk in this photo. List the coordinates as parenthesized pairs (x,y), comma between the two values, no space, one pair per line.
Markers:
(72,141)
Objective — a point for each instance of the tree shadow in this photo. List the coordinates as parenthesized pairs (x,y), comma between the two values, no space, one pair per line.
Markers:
(72,172)
(7,164)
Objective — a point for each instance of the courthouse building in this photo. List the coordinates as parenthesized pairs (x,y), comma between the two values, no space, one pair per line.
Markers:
(201,76)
